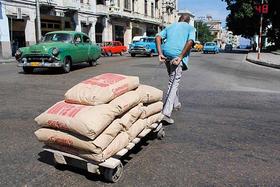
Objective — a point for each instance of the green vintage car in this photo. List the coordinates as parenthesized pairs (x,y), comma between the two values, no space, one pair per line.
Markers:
(60,49)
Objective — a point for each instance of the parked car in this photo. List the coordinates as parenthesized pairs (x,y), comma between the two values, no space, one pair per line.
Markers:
(210,47)
(146,46)
(228,47)
(60,49)
(197,47)
(113,47)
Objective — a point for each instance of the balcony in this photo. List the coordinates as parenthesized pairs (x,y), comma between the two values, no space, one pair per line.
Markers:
(134,16)
(85,7)
(71,4)
(48,2)
(102,9)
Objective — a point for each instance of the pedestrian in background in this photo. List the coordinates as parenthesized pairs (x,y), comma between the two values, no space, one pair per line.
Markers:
(178,40)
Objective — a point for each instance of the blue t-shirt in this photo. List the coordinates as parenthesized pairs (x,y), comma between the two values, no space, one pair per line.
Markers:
(175,36)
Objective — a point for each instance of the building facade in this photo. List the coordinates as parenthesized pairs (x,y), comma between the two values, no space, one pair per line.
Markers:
(102,20)
(229,38)
(187,12)
(215,27)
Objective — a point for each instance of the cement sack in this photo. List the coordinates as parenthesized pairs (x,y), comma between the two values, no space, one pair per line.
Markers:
(101,89)
(156,118)
(131,116)
(126,101)
(80,153)
(120,142)
(88,121)
(149,94)
(108,135)
(136,128)
(56,137)
(151,109)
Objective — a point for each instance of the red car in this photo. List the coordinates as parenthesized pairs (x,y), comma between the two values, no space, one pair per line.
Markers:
(113,47)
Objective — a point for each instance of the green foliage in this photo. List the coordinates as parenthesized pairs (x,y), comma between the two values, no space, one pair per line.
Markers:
(244,20)
(203,32)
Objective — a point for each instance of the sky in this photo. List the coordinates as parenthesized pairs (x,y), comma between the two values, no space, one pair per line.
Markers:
(215,8)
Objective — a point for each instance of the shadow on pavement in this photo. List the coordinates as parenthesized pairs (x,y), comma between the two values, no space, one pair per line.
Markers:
(47,158)
(56,71)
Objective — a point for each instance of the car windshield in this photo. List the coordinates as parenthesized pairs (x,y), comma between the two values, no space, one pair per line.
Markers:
(57,37)
(147,40)
(210,44)
(107,44)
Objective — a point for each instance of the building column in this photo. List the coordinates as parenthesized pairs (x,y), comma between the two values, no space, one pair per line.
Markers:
(128,34)
(30,30)
(5,43)
(77,20)
(107,34)
(91,32)
(144,30)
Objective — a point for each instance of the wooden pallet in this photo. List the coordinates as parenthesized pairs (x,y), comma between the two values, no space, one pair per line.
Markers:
(112,167)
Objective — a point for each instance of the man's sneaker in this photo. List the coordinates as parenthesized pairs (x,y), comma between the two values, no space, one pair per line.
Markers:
(178,107)
(168,120)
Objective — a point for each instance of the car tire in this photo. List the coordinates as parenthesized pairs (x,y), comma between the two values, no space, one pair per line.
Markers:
(150,55)
(133,54)
(109,53)
(67,65)
(92,63)
(121,53)
(27,70)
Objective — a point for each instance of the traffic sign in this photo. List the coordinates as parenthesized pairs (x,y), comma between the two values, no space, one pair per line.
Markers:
(262,8)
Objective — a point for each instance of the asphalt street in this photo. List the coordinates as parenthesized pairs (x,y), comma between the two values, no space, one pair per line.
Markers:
(226,134)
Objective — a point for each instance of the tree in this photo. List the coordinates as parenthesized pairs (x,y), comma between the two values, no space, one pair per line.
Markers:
(203,33)
(244,19)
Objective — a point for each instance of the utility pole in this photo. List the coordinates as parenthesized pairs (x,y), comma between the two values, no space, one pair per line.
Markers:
(38,21)
(260,35)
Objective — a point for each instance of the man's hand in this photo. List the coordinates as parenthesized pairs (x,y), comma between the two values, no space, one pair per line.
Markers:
(176,61)
(161,58)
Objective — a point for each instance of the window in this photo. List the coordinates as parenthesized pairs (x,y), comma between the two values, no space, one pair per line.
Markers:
(57,37)
(67,24)
(127,4)
(152,10)
(77,38)
(100,2)
(84,1)
(146,7)
(156,5)
(86,39)
(133,1)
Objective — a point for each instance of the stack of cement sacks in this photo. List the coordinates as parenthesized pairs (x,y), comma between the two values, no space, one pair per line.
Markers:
(100,116)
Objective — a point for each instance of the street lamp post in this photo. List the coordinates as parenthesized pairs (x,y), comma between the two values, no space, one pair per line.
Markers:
(260,35)
(38,21)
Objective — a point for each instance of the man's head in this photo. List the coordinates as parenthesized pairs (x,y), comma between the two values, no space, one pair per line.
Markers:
(184,18)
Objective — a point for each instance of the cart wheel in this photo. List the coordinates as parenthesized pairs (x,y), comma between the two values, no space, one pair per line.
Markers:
(161,134)
(113,175)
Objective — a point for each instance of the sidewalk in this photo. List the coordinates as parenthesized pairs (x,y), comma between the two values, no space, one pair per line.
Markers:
(266,59)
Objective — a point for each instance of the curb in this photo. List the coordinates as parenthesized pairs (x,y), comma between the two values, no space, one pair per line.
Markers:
(262,63)
(7,61)
(275,53)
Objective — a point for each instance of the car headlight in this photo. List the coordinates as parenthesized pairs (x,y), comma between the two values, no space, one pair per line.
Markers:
(147,46)
(18,54)
(55,51)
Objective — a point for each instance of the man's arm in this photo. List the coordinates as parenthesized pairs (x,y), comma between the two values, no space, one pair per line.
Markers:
(184,52)
(186,49)
(161,57)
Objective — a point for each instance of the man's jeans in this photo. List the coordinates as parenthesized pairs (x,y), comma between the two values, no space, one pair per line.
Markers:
(172,96)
